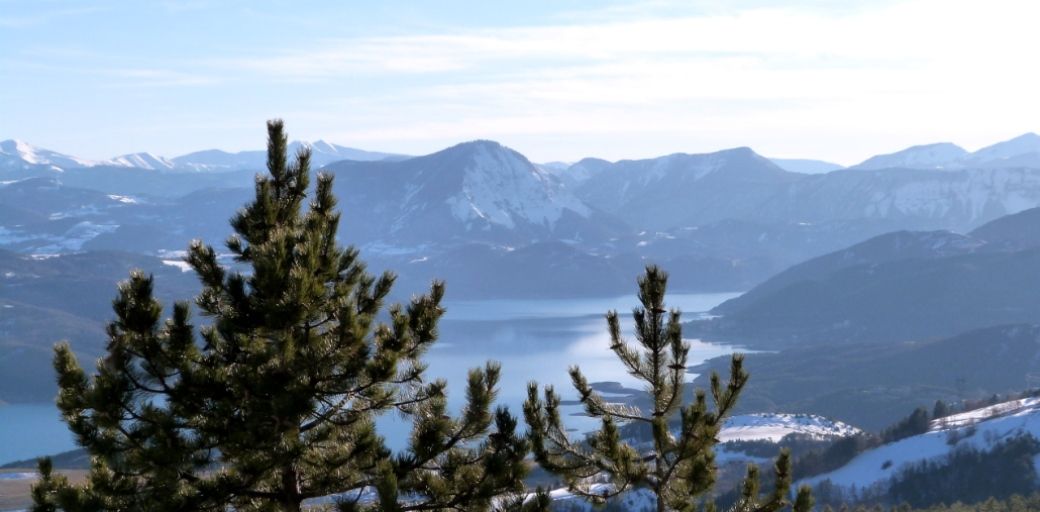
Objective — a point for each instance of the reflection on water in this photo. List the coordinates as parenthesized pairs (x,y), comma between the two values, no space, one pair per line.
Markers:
(533,339)
(538,340)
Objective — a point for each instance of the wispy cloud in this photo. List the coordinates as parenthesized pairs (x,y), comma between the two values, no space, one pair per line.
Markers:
(814,78)
(746,69)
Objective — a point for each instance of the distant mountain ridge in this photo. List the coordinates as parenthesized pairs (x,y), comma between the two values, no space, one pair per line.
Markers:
(1021,151)
(322,153)
(895,287)
(143,161)
(682,189)
(17,154)
(928,156)
(20,154)
(728,219)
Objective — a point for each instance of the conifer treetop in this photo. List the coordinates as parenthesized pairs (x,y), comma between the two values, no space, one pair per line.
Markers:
(273,400)
(678,465)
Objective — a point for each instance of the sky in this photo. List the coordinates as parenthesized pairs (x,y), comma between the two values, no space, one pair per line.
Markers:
(557,80)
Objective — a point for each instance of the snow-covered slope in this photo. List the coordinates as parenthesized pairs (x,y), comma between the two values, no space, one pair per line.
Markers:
(929,156)
(142,161)
(17,154)
(501,187)
(773,427)
(980,429)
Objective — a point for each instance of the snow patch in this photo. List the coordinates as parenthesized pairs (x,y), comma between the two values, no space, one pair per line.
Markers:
(773,427)
(123,199)
(181,264)
(980,429)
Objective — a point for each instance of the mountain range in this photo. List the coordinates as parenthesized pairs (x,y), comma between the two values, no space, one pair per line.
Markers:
(16,154)
(1021,151)
(723,221)
(494,224)
(898,286)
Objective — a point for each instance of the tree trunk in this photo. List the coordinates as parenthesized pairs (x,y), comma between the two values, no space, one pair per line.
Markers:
(292,501)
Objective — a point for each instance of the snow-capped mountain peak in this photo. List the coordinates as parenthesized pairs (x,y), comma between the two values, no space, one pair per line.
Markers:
(322,146)
(142,161)
(16,153)
(476,190)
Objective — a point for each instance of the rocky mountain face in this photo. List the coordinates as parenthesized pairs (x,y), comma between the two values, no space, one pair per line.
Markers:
(476,191)
(681,189)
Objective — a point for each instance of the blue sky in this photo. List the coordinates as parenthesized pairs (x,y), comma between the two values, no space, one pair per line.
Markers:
(556,80)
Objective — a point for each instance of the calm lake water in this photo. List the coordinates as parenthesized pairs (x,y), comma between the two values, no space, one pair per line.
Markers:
(533,339)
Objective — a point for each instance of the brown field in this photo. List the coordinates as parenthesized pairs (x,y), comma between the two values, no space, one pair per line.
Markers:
(14,494)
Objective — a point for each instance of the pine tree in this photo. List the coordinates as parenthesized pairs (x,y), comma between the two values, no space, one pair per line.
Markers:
(940,410)
(678,469)
(275,402)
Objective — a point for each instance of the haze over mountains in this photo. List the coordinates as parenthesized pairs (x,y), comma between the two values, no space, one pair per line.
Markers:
(15,154)
(1021,151)
(493,224)
(898,286)
(728,219)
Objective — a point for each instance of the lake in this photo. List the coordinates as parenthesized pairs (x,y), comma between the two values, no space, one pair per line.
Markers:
(533,339)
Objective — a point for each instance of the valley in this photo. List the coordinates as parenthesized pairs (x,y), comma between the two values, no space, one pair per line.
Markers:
(870,290)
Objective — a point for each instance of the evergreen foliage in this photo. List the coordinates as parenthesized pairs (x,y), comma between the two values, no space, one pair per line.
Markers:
(967,474)
(916,423)
(970,475)
(835,455)
(275,402)
(678,469)
(1014,503)
(941,410)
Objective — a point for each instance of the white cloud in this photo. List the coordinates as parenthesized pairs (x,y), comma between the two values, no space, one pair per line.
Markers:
(906,70)
(814,79)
